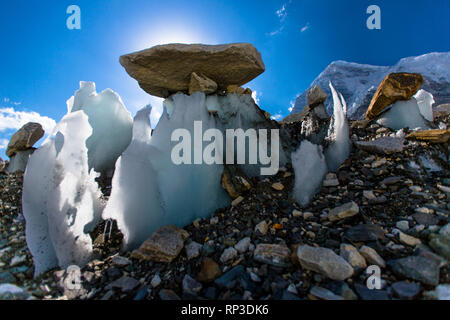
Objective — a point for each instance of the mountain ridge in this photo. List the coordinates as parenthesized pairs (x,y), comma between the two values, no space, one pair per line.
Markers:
(358,82)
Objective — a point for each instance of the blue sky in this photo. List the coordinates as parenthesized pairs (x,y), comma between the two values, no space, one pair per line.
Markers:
(42,62)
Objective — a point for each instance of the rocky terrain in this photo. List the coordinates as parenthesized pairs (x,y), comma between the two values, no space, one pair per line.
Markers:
(358,82)
(375,228)
(389,210)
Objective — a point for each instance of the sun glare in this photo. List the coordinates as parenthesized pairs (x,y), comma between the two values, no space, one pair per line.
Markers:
(179,34)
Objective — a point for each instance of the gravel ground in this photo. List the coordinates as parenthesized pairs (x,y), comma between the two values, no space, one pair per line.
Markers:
(397,218)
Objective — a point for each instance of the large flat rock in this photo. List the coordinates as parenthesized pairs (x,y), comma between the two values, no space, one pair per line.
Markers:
(394,87)
(166,69)
(24,138)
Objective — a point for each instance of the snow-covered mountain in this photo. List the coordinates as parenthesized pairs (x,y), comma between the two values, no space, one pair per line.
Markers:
(358,82)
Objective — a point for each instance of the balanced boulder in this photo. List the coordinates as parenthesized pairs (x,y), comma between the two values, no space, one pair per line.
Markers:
(393,88)
(166,69)
(24,138)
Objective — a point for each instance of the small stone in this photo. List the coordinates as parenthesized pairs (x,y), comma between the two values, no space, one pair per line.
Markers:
(324,261)
(163,246)
(330,182)
(242,245)
(125,283)
(168,295)
(372,257)
(214,220)
(273,254)
(402,225)
(237,201)
(378,163)
(408,240)
(308,215)
(209,271)
(345,211)
(365,233)
(192,250)
(316,96)
(292,289)
(352,256)
(120,261)
(228,255)
(324,294)
(262,227)
(278,186)
(391,180)
(415,188)
(369,195)
(156,281)
(296,214)
(190,285)
(406,290)
(17,260)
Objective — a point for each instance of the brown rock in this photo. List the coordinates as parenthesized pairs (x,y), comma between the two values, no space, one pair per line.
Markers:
(201,83)
(394,87)
(166,69)
(316,96)
(209,271)
(24,138)
(163,246)
(274,254)
(234,181)
(433,136)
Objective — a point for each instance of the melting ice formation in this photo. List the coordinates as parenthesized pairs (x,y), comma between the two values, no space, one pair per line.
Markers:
(61,200)
(178,194)
(411,113)
(110,121)
(308,161)
(148,189)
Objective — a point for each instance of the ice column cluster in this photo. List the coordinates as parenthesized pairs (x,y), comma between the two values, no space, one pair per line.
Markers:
(148,189)
(308,161)
(61,200)
(110,121)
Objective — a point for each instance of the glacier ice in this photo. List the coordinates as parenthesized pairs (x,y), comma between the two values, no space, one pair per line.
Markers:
(66,205)
(148,189)
(310,168)
(240,111)
(110,121)
(18,162)
(403,114)
(338,133)
(425,102)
